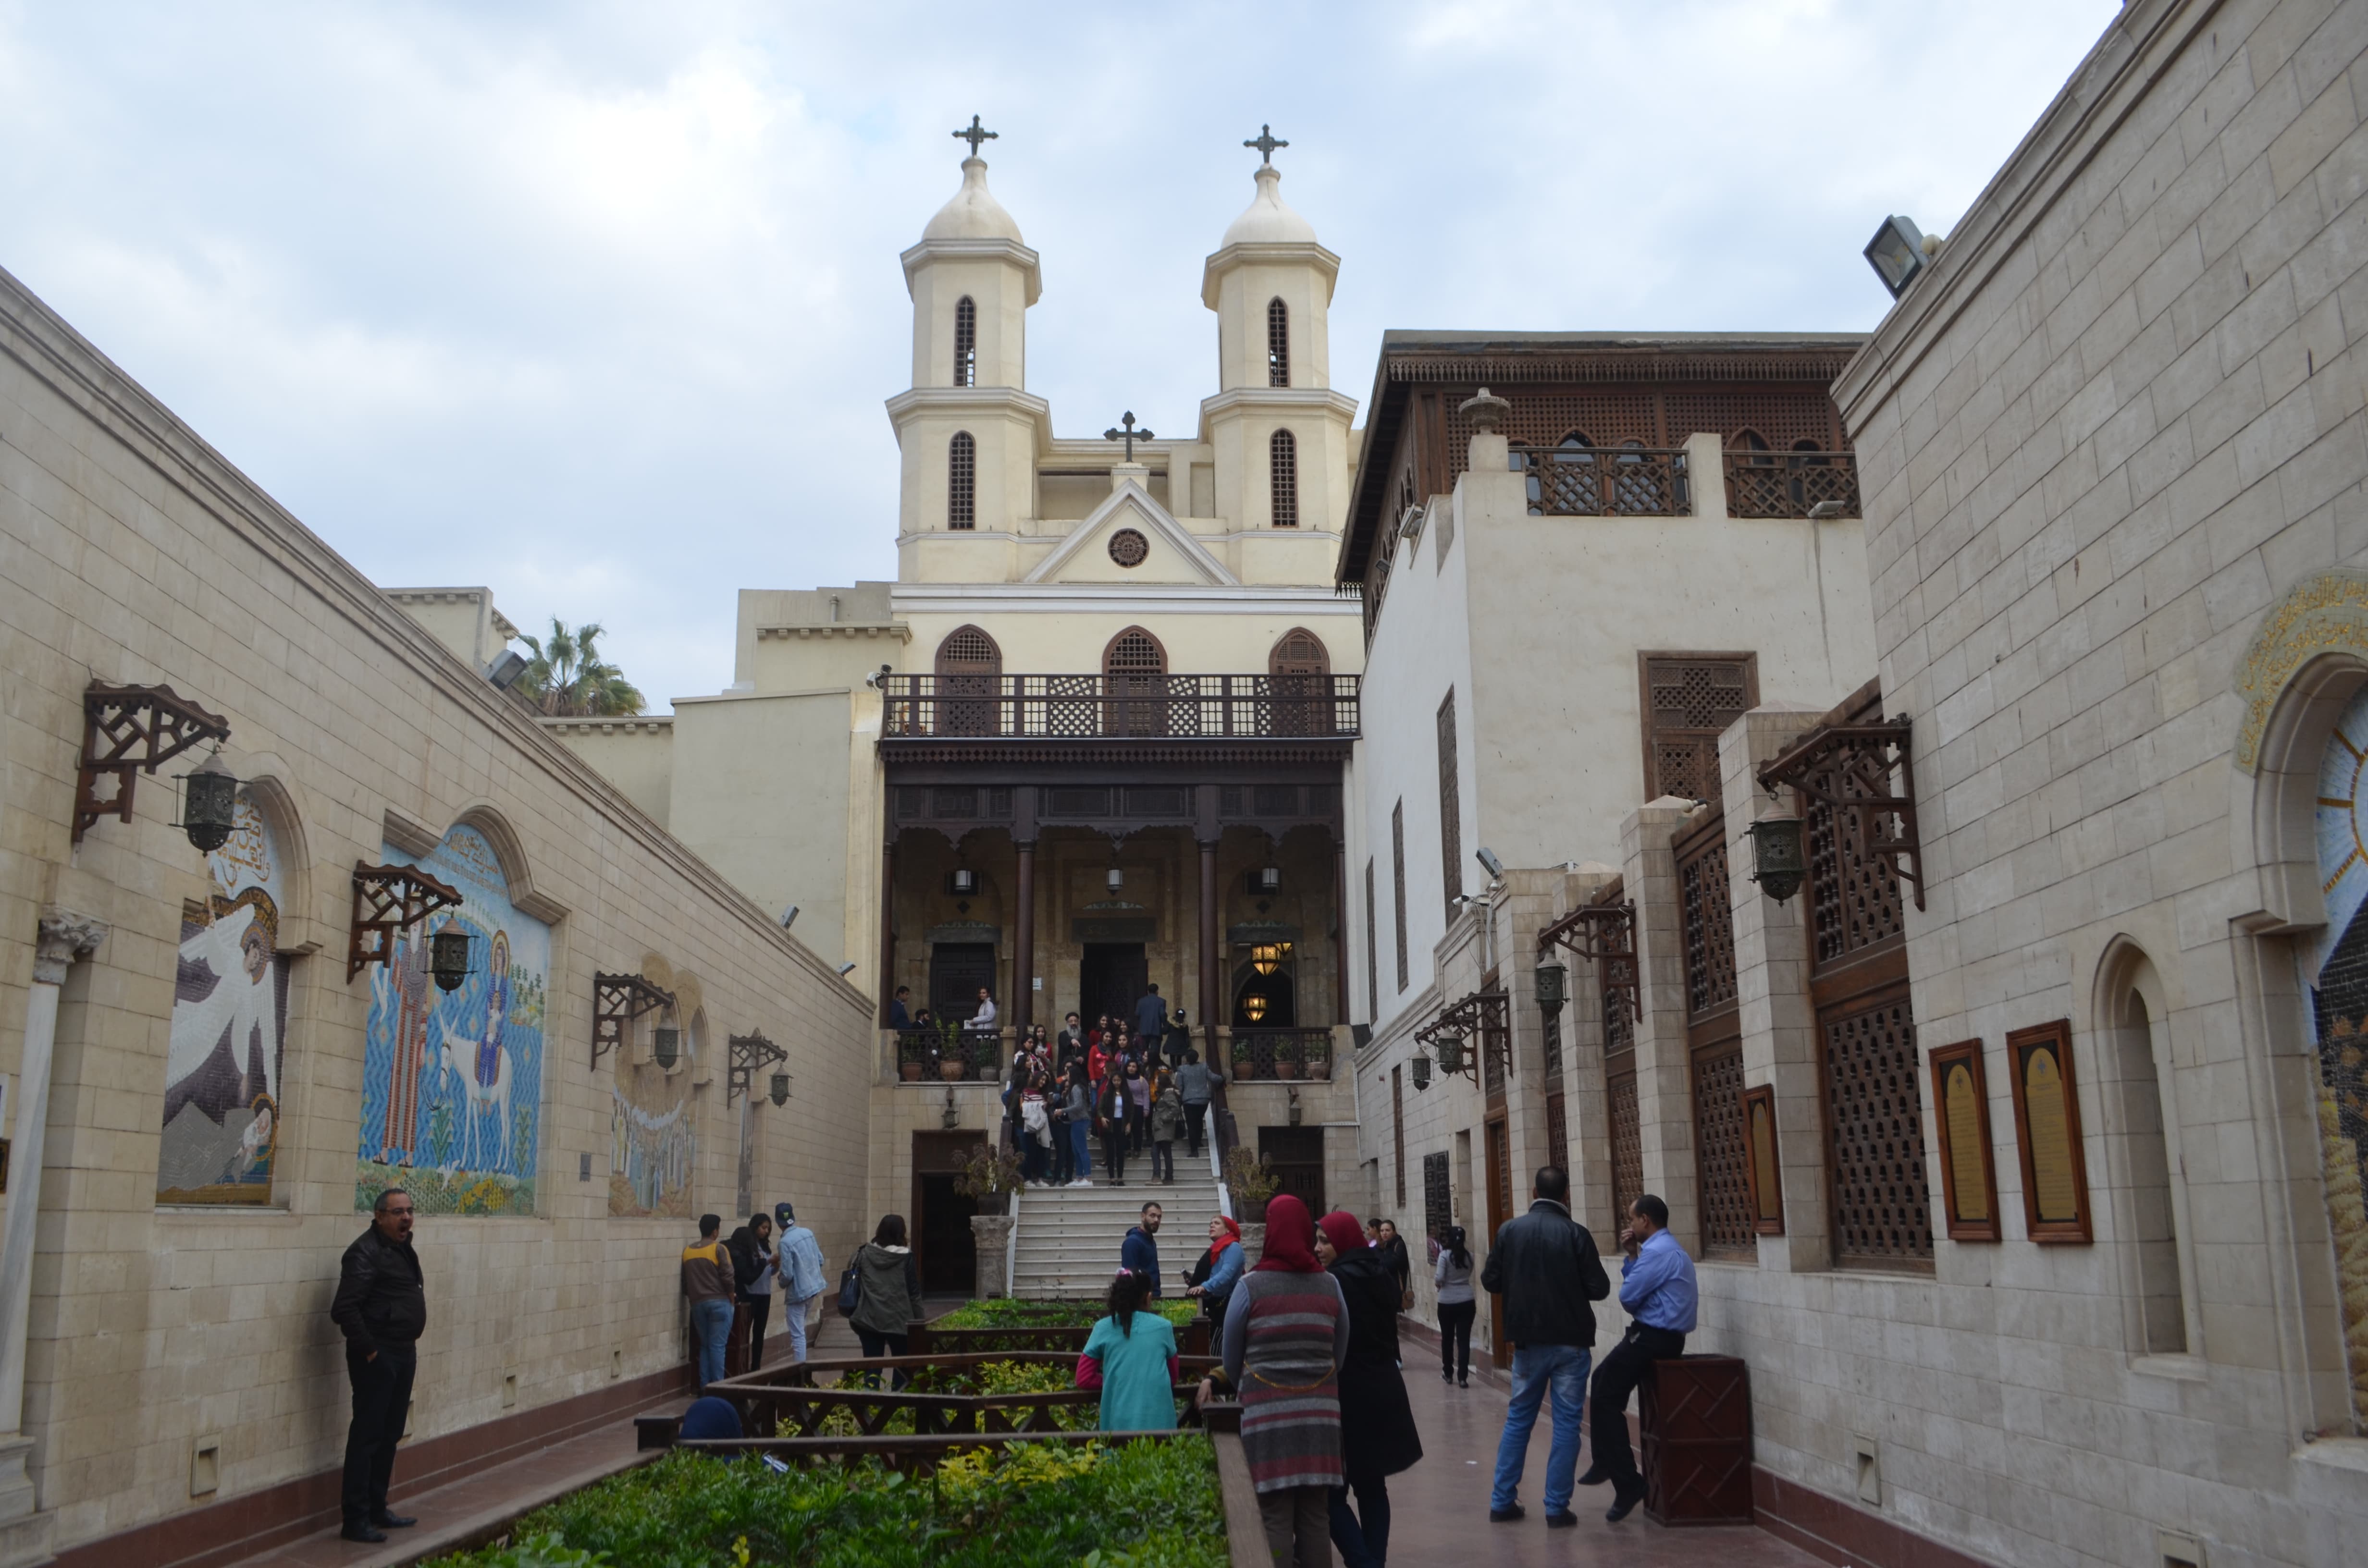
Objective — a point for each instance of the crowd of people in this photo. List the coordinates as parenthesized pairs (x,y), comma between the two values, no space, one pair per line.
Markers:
(1133,1084)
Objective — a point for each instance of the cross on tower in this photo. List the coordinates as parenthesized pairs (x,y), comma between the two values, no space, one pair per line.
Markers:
(974,135)
(1266,142)
(1129,435)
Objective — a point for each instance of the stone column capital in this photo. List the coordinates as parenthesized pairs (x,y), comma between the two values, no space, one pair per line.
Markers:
(65,936)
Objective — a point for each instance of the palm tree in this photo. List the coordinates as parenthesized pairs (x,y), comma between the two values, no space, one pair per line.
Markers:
(567,679)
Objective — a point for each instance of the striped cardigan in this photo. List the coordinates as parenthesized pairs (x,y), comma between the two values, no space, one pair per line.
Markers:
(1285,1336)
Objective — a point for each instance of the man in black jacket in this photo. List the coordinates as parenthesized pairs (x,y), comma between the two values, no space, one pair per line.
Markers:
(381,1309)
(1545,1265)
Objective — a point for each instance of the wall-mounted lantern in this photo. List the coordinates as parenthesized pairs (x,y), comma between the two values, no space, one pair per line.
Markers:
(448,958)
(1421,1065)
(1450,1052)
(210,803)
(1266,880)
(1115,881)
(666,1044)
(750,1052)
(779,1092)
(1552,987)
(1776,861)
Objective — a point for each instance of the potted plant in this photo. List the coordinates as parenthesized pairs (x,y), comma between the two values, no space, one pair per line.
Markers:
(990,1173)
(1245,1059)
(911,1048)
(1251,1181)
(1286,1056)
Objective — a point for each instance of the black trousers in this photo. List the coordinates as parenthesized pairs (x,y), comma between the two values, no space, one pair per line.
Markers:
(1114,1149)
(1607,1410)
(1455,1337)
(1195,1113)
(381,1407)
(759,1309)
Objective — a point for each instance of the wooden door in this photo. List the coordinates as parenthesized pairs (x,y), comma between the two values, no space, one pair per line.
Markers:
(945,1249)
(956,970)
(1500,1209)
(1296,1154)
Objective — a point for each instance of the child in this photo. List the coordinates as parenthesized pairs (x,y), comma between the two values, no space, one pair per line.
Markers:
(1131,1356)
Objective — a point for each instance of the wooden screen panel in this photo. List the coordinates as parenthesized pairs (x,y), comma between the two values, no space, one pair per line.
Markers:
(1961,1100)
(1708,919)
(1500,1209)
(1610,413)
(1721,1158)
(1551,1028)
(1688,699)
(1763,1163)
(1397,1129)
(962,481)
(1627,1140)
(1557,1131)
(2047,1133)
(1882,1198)
(1438,1195)
(1854,900)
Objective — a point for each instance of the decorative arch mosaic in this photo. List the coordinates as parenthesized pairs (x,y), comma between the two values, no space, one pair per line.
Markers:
(2335,978)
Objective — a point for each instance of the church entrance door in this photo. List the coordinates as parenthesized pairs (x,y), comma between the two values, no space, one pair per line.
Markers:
(956,971)
(1112,979)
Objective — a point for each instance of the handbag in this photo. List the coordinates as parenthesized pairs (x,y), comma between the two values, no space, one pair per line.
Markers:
(850,1291)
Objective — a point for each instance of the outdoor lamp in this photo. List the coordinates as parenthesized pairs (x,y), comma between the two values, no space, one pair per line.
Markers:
(448,958)
(1776,857)
(210,803)
(962,883)
(780,1091)
(1451,1053)
(1896,254)
(1254,1008)
(1553,981)
(670,1047)
(1421,1065)
(1266,958)
(1267,879)
(1116,880)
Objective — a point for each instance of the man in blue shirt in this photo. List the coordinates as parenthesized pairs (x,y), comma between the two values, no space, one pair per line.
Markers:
(1656,1287)
(1139,1252)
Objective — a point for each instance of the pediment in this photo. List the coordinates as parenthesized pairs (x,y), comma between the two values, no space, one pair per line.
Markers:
(1171,553)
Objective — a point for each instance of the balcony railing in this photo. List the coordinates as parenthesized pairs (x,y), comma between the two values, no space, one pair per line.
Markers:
(1096,706)
(1605,482)
(1789,484)
(1271,1054)
(977,1056)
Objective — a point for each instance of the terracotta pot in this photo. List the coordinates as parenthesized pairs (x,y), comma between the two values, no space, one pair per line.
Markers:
(1286,1069)
(911,1071)
(950,1071)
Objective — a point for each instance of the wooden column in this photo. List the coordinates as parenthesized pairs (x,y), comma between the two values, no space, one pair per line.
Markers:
(1210,957)
(1023,943)
(887,931)
(1341,926)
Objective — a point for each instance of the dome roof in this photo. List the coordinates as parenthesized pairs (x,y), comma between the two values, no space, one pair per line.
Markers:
(973,213)
(1266,221)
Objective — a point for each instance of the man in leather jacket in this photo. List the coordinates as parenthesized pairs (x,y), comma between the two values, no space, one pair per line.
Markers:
(381,1309)
(1545,1265)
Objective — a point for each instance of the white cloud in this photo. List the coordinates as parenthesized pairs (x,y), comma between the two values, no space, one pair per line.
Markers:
(599,304)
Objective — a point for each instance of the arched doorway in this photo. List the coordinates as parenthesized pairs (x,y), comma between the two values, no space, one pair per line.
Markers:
(970,670)
(1299,675)
(1135,684)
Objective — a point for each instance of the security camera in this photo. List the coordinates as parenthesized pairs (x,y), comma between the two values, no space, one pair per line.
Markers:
(1489,861)
(788,918)
(845,969)
(876,677)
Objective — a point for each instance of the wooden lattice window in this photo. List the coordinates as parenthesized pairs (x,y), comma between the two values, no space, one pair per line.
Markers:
(1557,1131)
(1627,1140)
(1278,343)
(1709,926)
(1372,951)
(1438,1195)
(968,651)
(1874,1120)
(1397,1129)
(1282,457)
(1134,651)
(1551,1029)
(1688,699)
(962,481)
(1722,1155)
(1298,651)
(1451,808)
(1853,893)
(1397,878)
(965,343)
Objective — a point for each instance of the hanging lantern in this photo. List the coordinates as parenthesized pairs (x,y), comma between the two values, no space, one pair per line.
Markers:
(1421,1065)
(1266,958)
(1451,1053)
(1776,863)
(448,958)
(780,1089)
(962,882)
(1254,1008)
(1552,987)
(1266,880)
(210,803)
(668,1047)
(1115,881)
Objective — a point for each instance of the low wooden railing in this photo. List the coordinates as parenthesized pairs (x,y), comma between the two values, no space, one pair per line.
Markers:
(1791,484)
(1088,707)
(792,1402)
(1271,1053)
(1605,482)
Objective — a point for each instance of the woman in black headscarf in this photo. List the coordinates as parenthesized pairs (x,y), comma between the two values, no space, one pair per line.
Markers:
(1376,1422)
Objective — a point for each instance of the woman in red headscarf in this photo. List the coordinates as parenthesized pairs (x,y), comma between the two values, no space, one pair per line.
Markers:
(1213,1278)
(1286,1333)
(1377,1425)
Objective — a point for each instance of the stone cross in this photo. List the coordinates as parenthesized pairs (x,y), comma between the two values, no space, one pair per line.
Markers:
(1266,143)
(1129,435)
(975,136)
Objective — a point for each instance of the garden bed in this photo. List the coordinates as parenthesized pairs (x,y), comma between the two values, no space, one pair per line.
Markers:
(1007,1324)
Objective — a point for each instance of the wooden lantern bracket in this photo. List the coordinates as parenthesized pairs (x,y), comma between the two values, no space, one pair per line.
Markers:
(1486,1014)
(751,1054)
(387,900)
(1606,933)
(617,1001)
(128,731)
(1861,770)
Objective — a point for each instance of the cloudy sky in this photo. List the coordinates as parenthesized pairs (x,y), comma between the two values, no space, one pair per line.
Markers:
(598,303)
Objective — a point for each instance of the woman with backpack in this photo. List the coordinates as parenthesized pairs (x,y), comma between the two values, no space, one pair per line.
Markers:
(1131,1356)
(887,1287)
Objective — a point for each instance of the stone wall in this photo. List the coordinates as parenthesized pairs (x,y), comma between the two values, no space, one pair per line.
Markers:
(136,555)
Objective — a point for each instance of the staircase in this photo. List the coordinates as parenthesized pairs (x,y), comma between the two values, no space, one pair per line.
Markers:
(1066,1243)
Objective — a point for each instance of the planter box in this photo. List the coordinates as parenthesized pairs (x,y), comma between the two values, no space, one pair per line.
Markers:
(1695,1415)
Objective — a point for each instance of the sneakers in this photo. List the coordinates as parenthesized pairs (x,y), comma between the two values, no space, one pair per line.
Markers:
(1507,1515)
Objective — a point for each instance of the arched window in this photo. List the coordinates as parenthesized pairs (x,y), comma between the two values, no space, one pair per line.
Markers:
(962,481)
(967,650)
(1298,653)
(1278,343)
(969,669)
(1299,674)
(1283,455)
(1134,667)
(965,343)
(1134,651)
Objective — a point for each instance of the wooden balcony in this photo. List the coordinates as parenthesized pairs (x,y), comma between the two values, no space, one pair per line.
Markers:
(1086,706)
(1573,480)
(1791,484)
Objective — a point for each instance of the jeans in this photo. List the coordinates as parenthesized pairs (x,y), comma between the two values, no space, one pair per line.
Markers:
(1162,1160)
(1063,1156)
(793,1319)
(1081,1152)
(1536,1369)
(1456,1339)
(381,1408)
(1621,1370)
(711,1321)
(1363,1536)
(877,1345)
(1195,1113)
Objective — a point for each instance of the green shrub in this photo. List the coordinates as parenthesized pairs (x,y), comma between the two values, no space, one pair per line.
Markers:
(1008,1313)
(1146,1504)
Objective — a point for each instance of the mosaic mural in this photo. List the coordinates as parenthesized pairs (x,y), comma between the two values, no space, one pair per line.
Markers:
(229,1029)
(452,1081)
(2335,973)
(652,1127)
